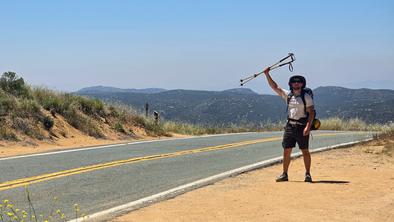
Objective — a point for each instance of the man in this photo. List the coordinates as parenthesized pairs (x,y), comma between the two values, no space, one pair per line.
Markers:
(299,122)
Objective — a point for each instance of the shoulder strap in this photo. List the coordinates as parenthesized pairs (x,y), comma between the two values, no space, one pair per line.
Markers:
(303,100)
(288,100)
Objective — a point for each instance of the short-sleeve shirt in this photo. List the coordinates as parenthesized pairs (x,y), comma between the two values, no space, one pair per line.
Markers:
(296,105)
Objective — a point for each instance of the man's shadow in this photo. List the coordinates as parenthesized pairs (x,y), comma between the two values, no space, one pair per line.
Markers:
(331,181)
(326,181)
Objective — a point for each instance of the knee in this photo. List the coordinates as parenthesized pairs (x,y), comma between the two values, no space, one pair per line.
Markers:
(287,151)
(305,152)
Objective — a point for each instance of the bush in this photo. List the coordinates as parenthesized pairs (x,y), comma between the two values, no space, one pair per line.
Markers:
(48,122)
(119,128)
(80,121)
(27,127)
(140,121)
(11,83)
(5,132)
(91,107)
(49,100)
(28,108)
(155,129)
(7,104)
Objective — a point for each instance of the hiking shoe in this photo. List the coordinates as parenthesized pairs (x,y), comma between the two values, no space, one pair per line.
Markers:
(308,178)
(282,178)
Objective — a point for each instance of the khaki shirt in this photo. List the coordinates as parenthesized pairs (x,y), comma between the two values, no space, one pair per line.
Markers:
(296,106)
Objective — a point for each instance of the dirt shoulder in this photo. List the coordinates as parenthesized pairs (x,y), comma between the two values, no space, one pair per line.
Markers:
(351,184)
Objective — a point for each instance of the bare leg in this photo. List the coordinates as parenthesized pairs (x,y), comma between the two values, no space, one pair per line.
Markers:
(307,160)
(286,159)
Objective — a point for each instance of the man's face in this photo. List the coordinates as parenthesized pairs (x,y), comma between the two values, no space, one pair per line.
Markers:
(296,85)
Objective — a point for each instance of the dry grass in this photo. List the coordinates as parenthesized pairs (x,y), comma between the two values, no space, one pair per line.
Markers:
(24,111)
(336,123)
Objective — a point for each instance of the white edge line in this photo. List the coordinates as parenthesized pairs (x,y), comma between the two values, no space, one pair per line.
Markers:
(119,144)
(134,205)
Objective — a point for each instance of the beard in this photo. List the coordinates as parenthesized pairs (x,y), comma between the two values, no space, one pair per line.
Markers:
(297,88)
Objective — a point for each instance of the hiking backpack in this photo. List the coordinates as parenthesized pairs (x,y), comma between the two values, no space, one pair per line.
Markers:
(315,122)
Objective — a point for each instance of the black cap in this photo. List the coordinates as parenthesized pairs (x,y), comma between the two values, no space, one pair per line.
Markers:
(297,78)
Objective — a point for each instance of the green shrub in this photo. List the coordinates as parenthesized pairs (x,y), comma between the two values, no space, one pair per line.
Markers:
(155,129)
(77,110)
(140,121)
(48,122)
(11,83)
(91,107)
(119,128)
(7,104)
(49,100)
(28,108)
(80,121)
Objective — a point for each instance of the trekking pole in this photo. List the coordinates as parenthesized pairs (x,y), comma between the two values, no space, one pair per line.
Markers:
(274,66)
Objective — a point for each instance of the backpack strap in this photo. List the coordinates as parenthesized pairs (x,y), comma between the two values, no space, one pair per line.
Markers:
(288,100)
(303,100)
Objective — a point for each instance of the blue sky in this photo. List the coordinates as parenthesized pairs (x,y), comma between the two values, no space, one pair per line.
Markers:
(206,45)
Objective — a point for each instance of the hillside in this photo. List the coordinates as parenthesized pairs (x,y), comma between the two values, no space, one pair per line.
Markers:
(30,114)
(203,107)
(240,106)
(370,105)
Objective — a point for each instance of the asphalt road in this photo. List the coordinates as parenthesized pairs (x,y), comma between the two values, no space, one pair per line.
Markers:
(99,178)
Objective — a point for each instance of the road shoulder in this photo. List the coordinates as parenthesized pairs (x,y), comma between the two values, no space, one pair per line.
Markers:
(351,183)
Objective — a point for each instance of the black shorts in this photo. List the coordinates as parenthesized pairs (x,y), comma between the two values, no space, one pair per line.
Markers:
(294,134)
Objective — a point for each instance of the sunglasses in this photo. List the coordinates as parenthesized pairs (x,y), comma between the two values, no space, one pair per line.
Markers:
(296,81)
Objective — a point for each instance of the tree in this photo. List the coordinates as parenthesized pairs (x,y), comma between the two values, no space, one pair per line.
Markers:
(10,82)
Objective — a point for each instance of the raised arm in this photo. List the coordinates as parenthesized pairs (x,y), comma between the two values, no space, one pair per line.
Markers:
(273,84)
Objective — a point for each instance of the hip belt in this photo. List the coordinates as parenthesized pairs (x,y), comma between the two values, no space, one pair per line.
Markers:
(300,122)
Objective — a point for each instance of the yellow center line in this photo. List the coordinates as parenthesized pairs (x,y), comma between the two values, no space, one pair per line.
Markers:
(49,176)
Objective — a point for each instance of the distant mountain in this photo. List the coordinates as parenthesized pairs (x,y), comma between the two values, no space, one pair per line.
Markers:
(245,106)
(371,105)
(240,91)
(108,89)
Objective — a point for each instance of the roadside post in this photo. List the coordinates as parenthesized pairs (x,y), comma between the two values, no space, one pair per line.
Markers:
(157,117)
(146,109)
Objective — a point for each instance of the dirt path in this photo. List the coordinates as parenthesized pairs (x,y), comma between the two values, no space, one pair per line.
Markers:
(351,184)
